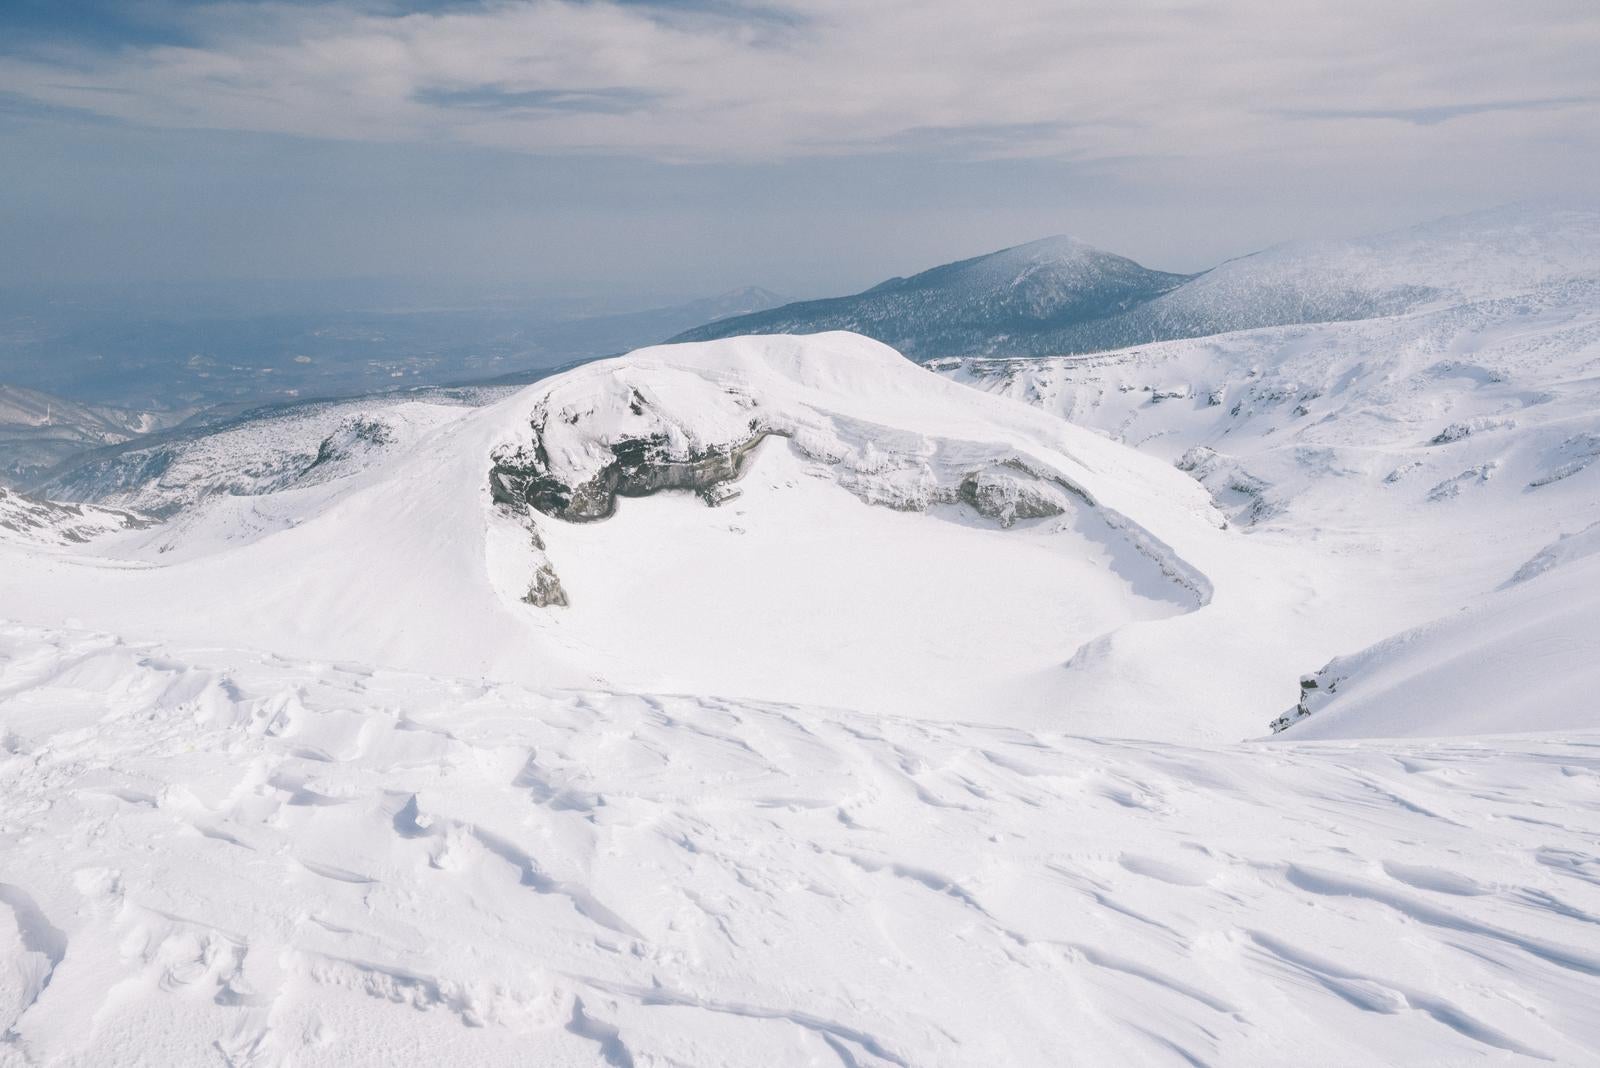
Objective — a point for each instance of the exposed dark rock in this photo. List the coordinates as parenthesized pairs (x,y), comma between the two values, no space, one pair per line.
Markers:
(351,434)
(1312,693)
(1006,498)
(640,466)
(520,481)
(545,590)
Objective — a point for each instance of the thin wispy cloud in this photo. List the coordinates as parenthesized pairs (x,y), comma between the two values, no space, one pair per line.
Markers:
(728,81)
(1433,116)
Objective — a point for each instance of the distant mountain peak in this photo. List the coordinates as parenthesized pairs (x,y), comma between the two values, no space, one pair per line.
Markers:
(959,307)
(1060,295)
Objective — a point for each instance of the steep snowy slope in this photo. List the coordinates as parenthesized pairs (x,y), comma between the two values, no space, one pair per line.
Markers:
(1524,658)
(1005,298)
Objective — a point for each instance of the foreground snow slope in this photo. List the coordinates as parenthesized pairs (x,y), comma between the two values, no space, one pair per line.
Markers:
(256,860)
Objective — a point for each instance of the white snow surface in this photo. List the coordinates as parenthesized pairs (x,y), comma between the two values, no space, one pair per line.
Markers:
(1462,258)
(844,769)
(1421,461)
(250,859)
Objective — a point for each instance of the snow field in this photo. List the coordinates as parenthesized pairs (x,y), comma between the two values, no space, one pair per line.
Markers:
(278,861)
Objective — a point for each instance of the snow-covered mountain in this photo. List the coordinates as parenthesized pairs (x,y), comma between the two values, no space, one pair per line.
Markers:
(257,454)
(911,471)
(1008,298)
(1060,296)
(38,431)
(55,523)
(780,700)
(1449,445)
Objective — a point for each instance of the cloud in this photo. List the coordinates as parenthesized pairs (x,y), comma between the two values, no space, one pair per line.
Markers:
(1432,116)
(613,100)
(721,80)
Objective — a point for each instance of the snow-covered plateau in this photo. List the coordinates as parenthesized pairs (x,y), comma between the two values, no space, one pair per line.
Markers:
(777,700)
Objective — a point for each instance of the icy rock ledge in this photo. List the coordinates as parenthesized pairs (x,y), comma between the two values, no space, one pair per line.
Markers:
(638,468)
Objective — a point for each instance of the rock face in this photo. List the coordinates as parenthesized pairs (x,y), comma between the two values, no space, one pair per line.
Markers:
(638,468)
(545,589)
(1009,493)
(1237,493)
(1314,691)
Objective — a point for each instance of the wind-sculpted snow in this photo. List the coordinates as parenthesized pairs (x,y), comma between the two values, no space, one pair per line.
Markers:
(221,856)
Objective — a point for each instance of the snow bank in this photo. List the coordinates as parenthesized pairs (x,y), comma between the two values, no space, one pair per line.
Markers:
(1525,658)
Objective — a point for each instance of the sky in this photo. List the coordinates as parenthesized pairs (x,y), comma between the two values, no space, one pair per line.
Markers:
(809,146)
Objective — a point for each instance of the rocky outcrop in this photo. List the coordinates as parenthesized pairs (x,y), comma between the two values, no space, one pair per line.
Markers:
(355,435)
(1244,497)
(638,468)
(692,419)
(1314,691)
(1007,495)
(545,590)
